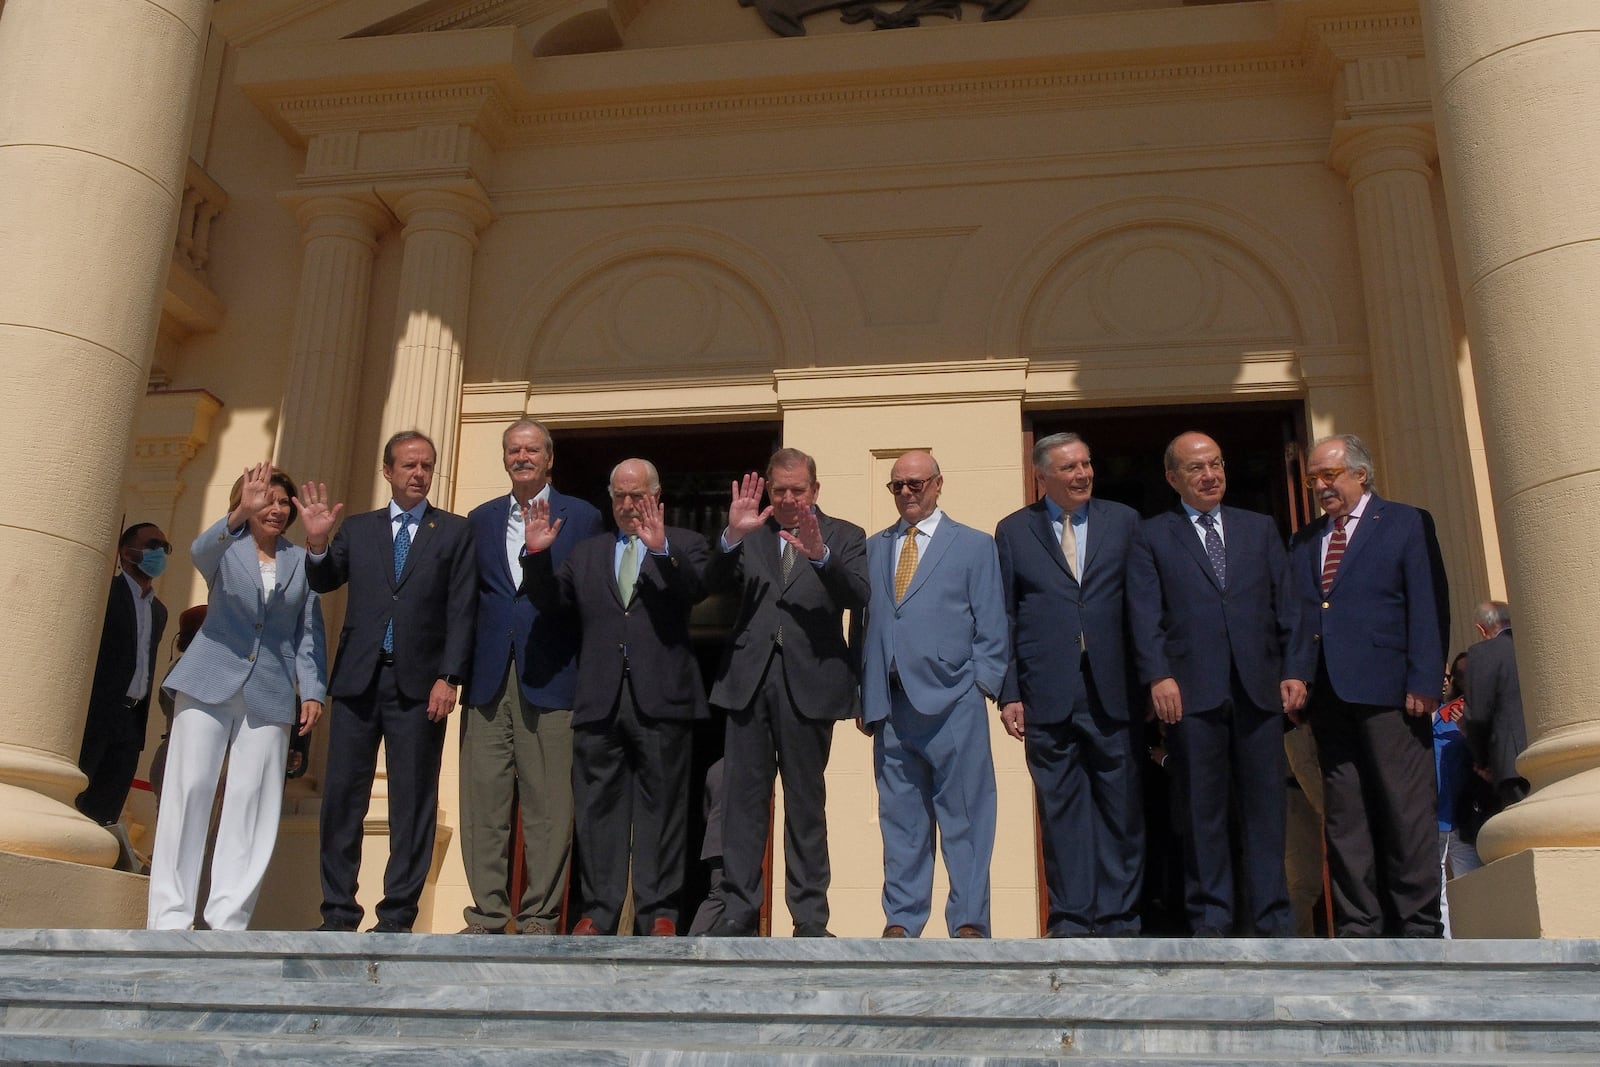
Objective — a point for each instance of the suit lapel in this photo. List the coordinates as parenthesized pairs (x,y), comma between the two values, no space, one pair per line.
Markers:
(499,514)
(929,557)
(1039,522)
(1183,528)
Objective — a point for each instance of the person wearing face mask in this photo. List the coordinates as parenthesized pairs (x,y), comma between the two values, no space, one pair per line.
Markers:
(255,672)
(119,700)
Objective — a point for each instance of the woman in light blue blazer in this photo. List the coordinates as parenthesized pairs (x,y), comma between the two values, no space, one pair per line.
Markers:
(235,691)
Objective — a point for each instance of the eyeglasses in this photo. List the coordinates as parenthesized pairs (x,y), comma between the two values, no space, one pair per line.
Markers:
(916,485)
(619,495)
(782,492)
(1324,477)
(1194,470)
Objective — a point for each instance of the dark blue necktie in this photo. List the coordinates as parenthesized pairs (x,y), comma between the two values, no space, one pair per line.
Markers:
(402,549)
(1219,558)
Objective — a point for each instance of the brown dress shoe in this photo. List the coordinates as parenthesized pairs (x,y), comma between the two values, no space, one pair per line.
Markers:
(664,927)
(479,928)
(895,931)
(538,926)
(585,928)
(968,930)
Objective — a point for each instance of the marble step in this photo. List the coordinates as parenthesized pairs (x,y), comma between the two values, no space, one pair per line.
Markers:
(138,997)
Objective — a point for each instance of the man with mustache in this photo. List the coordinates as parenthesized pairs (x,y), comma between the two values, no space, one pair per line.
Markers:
(1063,562)
(516,731)
(1365,573)
(404,650)
(638,694)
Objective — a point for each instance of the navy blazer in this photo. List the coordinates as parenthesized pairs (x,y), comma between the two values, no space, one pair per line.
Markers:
(430,603)
(1048,608)
(117,660)
(1187,627)
(946,638)
(268,646)
(824,667)
(1380,626)
(647,638)
(1494,724)
(508,625)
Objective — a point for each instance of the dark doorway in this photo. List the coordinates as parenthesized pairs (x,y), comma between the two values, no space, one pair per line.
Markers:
(1263,444)
(697,464)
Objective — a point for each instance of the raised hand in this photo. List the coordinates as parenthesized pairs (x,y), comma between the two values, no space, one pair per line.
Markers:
(255,494)
(745,513)
(538,532)
(651,526)
(316,515)
(807,538)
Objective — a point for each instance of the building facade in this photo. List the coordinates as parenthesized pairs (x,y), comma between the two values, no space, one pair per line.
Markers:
(667,229)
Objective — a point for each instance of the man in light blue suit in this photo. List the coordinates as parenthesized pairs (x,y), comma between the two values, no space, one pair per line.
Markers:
(935,648)
(516,732)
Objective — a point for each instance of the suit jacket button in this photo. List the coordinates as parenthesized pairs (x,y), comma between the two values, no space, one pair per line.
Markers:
(251,657)
(397,597)
(1324,605)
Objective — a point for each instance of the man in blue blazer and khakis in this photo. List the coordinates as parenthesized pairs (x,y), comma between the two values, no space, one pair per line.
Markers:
(404,650)
(1365,574)
(1063,562)
(935,650)
(1217,640)
(516,726)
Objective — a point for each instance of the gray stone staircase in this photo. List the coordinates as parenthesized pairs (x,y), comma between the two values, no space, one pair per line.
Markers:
(132,997)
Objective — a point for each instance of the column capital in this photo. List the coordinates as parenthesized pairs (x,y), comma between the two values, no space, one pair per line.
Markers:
(1360,149)
(359,216)
(461,208)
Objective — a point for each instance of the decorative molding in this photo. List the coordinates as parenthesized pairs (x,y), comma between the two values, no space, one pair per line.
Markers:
(786,18)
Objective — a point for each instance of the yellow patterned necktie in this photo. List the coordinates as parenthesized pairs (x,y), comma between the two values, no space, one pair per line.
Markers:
(907,565)
(628,572)
(1069,543)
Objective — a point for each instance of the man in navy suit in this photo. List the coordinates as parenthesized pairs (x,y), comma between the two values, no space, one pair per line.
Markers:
(1216,637)
(639,692)
(1063,562)
(936,649)
(787,675)
(119,700)
(1365,575)
(404,650)
(516,729)
(1494,725)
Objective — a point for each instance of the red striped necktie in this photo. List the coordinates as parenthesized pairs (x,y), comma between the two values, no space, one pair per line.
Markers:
(1330,563)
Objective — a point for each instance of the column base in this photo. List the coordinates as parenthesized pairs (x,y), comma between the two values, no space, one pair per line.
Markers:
(46,894)
(1538,892)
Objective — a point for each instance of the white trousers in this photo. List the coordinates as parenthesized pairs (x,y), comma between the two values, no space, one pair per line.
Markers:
(203,736)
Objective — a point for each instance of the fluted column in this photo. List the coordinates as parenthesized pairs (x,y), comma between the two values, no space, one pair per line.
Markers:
(96,102)
(339,237)
(440,235)
(1415,380)
(1518,94)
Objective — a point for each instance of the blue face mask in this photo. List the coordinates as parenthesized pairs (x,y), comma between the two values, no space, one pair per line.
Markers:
(152,561)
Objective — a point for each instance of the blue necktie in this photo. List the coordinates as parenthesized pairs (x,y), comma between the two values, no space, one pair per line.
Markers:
(1219,558)
(402,549)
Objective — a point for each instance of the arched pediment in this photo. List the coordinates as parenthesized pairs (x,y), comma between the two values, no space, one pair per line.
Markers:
(1160,273)
(655,305)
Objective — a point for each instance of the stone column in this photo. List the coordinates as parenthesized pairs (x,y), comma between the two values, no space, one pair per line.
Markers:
(96,101)
(441,235)
(1412,345)
(340,237)
(1517,89)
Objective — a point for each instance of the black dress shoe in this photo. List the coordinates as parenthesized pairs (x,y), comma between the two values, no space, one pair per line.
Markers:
(895,930)
(1068,930)
(1210,931)
(811,930)
(726,927)
(388,926)
(332,928)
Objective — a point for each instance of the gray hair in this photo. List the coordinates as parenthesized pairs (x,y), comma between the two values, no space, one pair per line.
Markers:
(1356,457)
(1046,445)
(1493,615)
(530,424)
(649,470)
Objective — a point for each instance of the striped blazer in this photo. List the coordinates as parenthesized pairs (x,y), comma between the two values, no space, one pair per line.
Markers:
(266,644)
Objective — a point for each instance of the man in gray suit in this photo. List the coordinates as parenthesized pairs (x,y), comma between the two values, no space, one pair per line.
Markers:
(936,648)
(1494,724)
(787,675)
